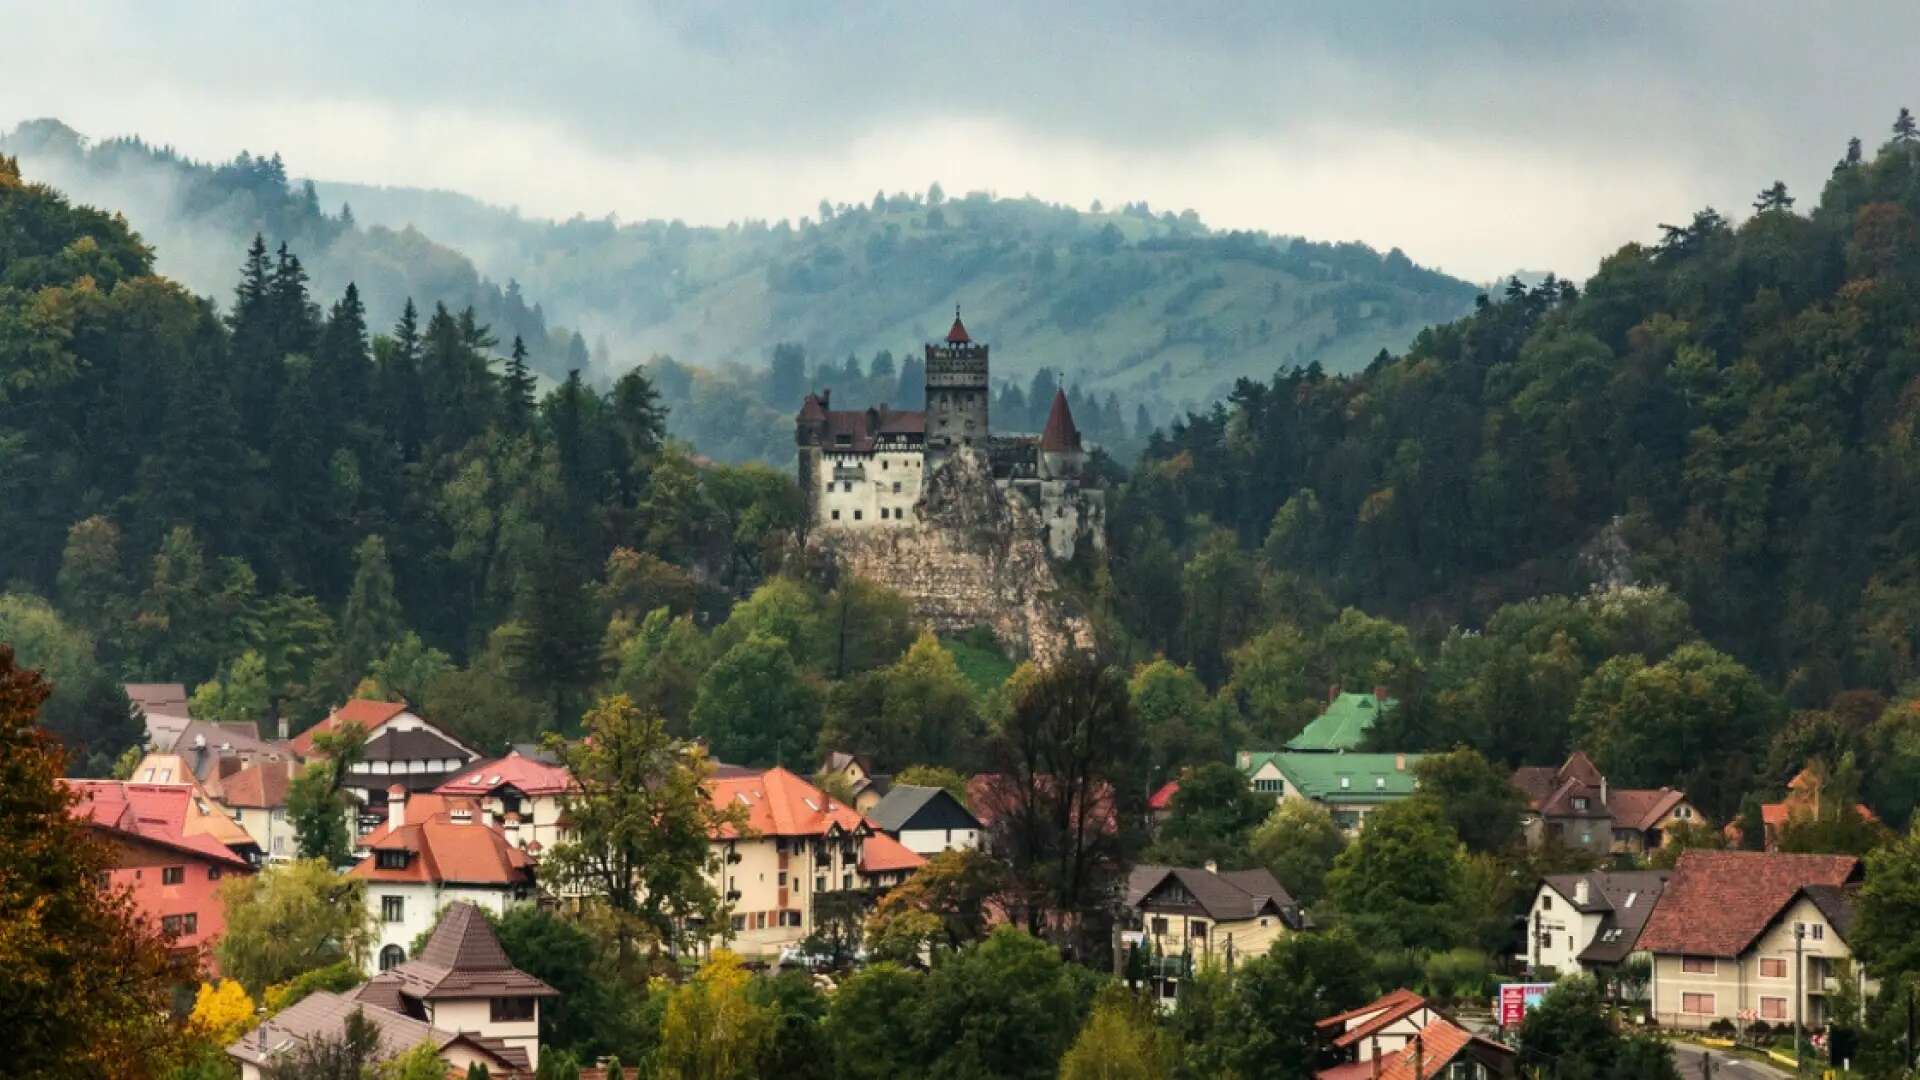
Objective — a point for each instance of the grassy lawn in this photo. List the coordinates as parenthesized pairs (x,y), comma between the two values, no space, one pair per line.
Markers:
(980,660)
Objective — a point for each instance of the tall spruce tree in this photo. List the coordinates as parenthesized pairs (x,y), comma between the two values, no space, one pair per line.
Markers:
(403,394)
(518,388)
(345,375)
(372,621)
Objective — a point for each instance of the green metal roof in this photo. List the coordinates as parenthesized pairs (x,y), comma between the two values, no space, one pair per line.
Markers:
(1367,777)
(1343,725)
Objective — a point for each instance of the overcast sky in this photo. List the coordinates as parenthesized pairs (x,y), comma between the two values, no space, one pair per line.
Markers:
(1480,138)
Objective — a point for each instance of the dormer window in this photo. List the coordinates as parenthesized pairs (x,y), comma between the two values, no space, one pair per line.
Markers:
(1579,804)
(390,859)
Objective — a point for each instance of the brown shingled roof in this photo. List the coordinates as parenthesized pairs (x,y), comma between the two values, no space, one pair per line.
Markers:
(1060,434)
(1718,902)
(463,959)
(957,334)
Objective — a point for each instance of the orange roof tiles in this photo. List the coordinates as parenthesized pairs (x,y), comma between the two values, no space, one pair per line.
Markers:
(370,715)
(880,853)
(523,774)
(778,803)
(1060,434)
(1718,902)
(1439,1044)
(445,851)
(156,813)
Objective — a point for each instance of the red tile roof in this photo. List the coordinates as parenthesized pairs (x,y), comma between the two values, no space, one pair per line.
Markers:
(1408,1004)
(1718,902)
(445,851)
(1388,1000)
(1440,1043)
(259,786)
(778,803)
(880,853)
(523,774)
(957,334)
(156,813)
(370,715)
(1163,798)
(1642,808)
(862,428)
(1060,434)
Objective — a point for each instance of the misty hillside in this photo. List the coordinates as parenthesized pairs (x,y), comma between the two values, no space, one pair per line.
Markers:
(1152,306)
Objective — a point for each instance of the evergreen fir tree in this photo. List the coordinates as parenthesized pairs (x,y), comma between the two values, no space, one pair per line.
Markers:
(372,620)
(1773,199)
(519,384)
(345,374)
(1905,130)
(296,320)
(402,389)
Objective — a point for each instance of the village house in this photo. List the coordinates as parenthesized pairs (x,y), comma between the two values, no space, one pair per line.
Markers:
(1401,1036)
(173,875)
(1204,916)
(1343,725)
(926,820)
(855,772)
(1589,922)
(399,748)
(1747,934)
(524,794)
(1803,801)
(1349,785)
(163,709)
(207,810)
(1574,806)
(213,749)
(256,795)
(416,867)
(461,995)
(799,844)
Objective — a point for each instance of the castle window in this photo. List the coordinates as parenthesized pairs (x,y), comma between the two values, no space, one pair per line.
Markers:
(836,515)
(896,487)
(856,515)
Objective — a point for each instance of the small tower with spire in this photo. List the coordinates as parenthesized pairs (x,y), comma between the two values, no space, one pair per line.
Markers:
(957,393)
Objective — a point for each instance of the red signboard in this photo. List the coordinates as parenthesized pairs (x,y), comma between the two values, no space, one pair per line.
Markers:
(1516,998)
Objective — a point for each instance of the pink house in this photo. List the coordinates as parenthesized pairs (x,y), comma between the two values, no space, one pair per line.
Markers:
(174,876)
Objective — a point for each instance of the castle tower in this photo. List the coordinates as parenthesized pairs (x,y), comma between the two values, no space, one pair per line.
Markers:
(1061,455)
(956,394)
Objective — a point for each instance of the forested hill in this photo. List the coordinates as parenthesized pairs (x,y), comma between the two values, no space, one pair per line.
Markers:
(1733,411)
(1150,306)
(197,215)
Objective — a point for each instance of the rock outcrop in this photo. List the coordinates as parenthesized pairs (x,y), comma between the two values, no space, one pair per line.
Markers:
(970,557)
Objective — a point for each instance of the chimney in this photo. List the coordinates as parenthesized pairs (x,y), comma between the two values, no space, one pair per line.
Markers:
(1244,758)
(1581,893)
(1603,791)
(1399,763)
(1375,1055)
(274,714)
(396,807)
(1212,867)
(1419,1058)
(486,814)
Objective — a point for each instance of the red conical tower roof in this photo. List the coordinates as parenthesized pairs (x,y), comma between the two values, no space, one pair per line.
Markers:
(1060,434)
(957,335)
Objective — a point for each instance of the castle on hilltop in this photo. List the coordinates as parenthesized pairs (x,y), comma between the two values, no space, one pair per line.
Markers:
(869,469)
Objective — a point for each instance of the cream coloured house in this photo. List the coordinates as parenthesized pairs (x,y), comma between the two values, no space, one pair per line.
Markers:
(1741,936)
(1189,918)
(524,794)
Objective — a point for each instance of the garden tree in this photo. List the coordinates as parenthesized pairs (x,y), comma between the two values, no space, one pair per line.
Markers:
(660,666)
(404,672)
(952,780)
(1684,836)
(797,1045)
(641,824)
(222,1012)
(1005,1008)
(419,1062)
(597,1013)
(1475,797)
(1212,816)
(920,708)
(372,620)
(1266,1025)
(1692,721)
(755,705)
(784,608)
(870,1023)
(481,708)
(1398,885)
(318,804)
(1068,793)
(289,919)
(1178,722)
(837,923)
(353,1054)
(942,907)
(88,976)
(1886,937)
(713,1029)
(866,625)
(335,978)
(1568,1034)
(87,709)
(1298,842)
(1834,824)
(1124,1038)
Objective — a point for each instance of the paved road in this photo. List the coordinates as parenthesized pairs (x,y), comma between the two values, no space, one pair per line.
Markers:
(1725,1066)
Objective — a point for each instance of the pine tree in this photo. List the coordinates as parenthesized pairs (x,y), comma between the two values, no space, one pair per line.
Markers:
(344,377)
(1773,199)
(1853,153)
(1905,130)
(519,383)
(402,388)
(372,621)
(295,318)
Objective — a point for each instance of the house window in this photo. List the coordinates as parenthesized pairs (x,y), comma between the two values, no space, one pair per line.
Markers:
(1159,927)
(739,923)
(856,515)
(783,879)
(1379,783)
(1546,903)
(1196,929)
(1697,965)
(846,880)
(1345,783)
(1697,1004)
(392,957)
(393,909)
(1773,1008)
(819,883)
(1817,931)
(789,918)
(1773,967)
(390,860)
(896,487)
(173,875)
(508,1010)
(1579,804)
(213,873)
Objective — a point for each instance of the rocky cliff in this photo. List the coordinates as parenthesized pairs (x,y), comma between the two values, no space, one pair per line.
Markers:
(971,557)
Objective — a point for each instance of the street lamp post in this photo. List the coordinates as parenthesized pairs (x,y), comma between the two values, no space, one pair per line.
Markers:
(1799,994)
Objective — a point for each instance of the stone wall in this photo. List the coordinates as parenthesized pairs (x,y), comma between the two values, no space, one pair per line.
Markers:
(970,557)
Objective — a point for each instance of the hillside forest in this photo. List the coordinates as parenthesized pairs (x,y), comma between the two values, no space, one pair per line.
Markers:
(1661,517)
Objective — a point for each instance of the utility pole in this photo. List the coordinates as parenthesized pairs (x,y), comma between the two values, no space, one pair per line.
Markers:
(1799,994)
(1706,1065)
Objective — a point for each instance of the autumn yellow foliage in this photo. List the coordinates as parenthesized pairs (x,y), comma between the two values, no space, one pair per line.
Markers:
(222,1011)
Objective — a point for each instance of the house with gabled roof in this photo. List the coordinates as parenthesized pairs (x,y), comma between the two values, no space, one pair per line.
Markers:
(1573,805)
(172,873)
(256,794)
(1349,785)
(1803,800)
(1343,725)
(415,868)
(207,810)
(1743,935)
(399,748)
(526,795)
(1208,914)
(1404,1036)
(927,820)
(462,995)
(799,844)
(1590,922)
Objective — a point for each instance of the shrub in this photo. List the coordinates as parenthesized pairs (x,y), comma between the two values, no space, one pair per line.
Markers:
(1457,974)
(1723,1027)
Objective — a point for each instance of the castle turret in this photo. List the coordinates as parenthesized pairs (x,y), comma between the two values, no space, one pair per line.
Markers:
(957,394)
(1061,456)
